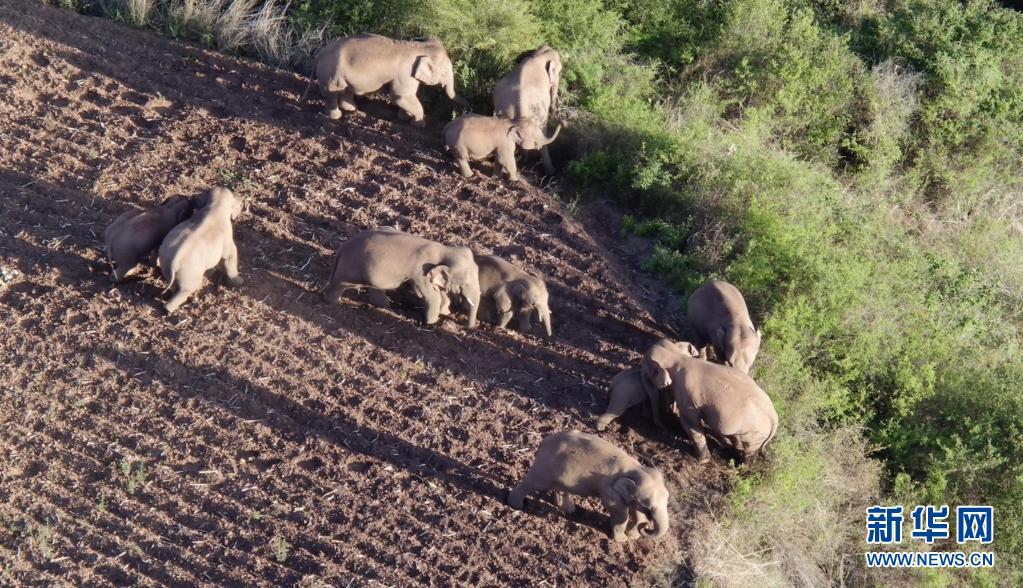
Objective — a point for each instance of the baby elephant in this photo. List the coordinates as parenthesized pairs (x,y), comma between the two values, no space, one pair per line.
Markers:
(627,390)
(473,136)
(199,244)
(137,233)
(508,291)
(716,400)
(571,462)
(718,316)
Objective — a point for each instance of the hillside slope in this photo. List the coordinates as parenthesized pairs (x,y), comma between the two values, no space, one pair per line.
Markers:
(260,436)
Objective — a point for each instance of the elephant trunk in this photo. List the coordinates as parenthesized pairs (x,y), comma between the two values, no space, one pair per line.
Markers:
(545,318)
(660,524)
(550,139)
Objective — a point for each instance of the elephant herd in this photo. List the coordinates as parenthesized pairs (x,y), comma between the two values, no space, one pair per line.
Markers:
(712,399)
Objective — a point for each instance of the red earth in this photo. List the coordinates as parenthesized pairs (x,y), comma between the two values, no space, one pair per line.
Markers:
(260,436)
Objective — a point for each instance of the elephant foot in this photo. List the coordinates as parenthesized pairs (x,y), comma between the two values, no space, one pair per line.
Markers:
(419,124)
(236,281)
(334,114)
(604,421)
(633,534)
(621,538)
(348,106)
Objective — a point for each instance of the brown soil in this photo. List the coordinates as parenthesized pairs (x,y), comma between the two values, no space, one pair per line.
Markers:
(261,437)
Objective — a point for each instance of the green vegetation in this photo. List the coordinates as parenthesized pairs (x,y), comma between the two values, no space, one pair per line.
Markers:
(854,168)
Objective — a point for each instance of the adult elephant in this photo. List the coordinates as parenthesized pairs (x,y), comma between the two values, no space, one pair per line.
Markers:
(385,258)
(716,400)
(531,90)
(366,63)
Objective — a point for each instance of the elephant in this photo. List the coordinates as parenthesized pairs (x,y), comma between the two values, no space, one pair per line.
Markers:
(199,244)
(508,291)
(531,90)
(571,462)
(718,316)
(627,390)
(711,399)
(384,259)
(472,136)
(137,233)
(366,63)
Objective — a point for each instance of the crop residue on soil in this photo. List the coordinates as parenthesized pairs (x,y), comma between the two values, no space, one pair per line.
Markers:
(260,436)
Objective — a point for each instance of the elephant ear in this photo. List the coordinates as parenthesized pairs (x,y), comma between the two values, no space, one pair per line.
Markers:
(625,487)
(688,348)
(423,69)
(515,132)
(554,75)
(517,291)
(658,377)
(438,277)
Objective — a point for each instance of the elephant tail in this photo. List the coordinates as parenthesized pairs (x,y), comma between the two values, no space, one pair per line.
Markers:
(333,270)
(770,436)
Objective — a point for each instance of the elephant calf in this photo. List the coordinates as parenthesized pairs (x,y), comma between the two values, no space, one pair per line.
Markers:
(508,291)
(716,400)
(137,233)
(384,259)
(199,244)
(718,316)
(627,390)
(571,462)
(473,136)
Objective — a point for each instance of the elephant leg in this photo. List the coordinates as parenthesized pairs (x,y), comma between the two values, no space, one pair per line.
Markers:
(378,297)
(699,439)
(433,304)
(347,100)
(545,156)
(333,292)
(506,159)
(529,485)
(186,286)
(525,321)
(565,502)
(622,399)
(412,106)
(462,159)
(231,266)
(619,513)
(636,520)
(332,109)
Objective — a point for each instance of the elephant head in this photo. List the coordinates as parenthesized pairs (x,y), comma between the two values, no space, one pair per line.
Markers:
(434,67)
(738,345)
(180,207)
(458,278)
(528,134)
(530,298)
(644,490)
(660,355)
(553,67)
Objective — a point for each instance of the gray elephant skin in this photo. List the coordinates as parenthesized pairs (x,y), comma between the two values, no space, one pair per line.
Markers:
(531,90)
(627,390)
(474,137)
(200,244)
(137,233)
(508,292)
(366,63)
(384,259)
(716,400)
(718,317)
(575,463)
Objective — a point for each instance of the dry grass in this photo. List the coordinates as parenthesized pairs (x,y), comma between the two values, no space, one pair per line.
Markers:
(802,523)
(246,27)
(133,12)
